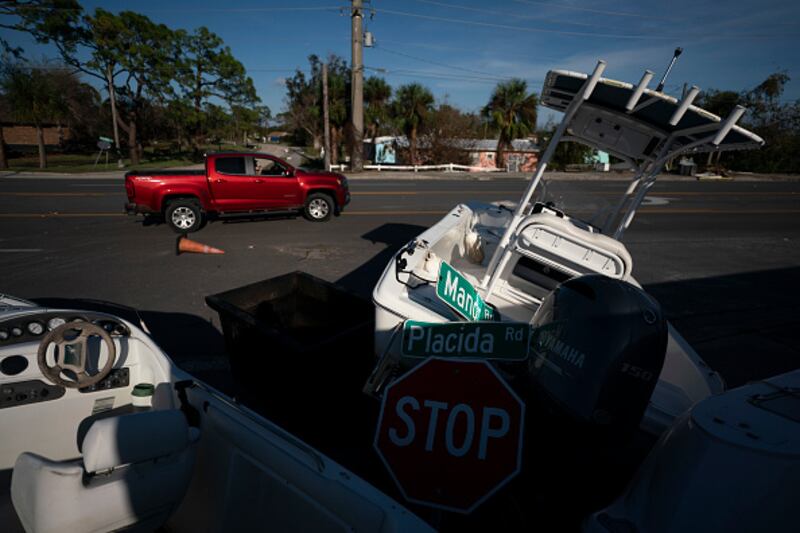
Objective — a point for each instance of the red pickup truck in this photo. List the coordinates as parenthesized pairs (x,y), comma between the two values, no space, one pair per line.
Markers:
(235,184)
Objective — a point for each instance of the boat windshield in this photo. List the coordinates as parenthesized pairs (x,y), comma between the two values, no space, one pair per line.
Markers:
(591,201)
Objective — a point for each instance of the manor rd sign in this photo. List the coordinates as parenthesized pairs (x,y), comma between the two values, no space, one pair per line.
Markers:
(454,290)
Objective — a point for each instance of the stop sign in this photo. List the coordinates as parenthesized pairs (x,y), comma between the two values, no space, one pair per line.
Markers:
(450,433)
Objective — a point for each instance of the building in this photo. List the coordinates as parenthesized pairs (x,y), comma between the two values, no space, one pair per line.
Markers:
(277,136)
(382,150)
(19,135)
(521,156)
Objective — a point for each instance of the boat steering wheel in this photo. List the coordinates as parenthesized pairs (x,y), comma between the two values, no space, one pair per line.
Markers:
(71,355)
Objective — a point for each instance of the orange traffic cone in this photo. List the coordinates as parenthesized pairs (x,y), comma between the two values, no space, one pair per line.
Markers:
(186,245)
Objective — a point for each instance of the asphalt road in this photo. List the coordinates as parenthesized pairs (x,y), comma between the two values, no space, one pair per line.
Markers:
(721,257)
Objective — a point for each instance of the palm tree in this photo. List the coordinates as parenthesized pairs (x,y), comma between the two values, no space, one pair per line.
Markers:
(512,112)
(376,97)
(412,104)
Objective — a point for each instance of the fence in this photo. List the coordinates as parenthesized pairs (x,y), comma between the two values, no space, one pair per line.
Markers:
(449,167)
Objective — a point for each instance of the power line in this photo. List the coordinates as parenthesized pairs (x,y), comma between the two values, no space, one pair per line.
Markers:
(415,75)
(598,11)
(200,9)
(656,37)
(426,74)
(438,64)
(519,28)
(248,9)
(509,13)
(445,75)
(506,54)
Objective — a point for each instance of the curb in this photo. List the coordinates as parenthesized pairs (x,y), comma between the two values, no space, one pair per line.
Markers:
(62,175)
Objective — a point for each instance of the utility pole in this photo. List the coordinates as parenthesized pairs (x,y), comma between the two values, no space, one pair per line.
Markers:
(325,117)
(113,97)
(357,83)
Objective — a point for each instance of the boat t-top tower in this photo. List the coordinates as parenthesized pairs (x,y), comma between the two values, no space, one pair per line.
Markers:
(643,127)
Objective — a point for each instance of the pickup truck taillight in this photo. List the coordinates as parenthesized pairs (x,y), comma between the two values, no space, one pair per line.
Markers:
(129,187)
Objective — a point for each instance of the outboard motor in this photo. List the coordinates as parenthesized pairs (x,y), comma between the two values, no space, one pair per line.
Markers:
(597,349)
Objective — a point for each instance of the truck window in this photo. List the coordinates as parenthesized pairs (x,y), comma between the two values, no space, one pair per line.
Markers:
(230,165)
(268,167)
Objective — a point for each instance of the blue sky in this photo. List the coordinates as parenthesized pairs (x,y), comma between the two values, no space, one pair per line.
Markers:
(461,48)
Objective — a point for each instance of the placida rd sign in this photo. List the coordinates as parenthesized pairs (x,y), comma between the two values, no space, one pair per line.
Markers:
(507,341)
(454,290)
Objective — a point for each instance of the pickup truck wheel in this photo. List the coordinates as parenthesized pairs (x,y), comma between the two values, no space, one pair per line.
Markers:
(184,216)
(319,207)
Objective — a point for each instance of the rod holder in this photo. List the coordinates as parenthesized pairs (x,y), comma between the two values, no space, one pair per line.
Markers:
(593,79)
(684,105)
(637,94)
(727,126)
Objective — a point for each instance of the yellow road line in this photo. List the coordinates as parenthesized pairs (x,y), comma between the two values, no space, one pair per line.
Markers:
(700,211)
(60,215)
(389,193)
(595,193)
(439,193)
(717,193)
(395,213)
(424,193)
(411,212)
(644,210)
(58,194)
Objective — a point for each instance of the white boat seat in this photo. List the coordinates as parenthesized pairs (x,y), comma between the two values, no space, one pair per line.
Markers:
(134,472)
(559,239)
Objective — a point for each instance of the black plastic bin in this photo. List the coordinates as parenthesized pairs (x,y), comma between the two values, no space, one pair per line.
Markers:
(300,350)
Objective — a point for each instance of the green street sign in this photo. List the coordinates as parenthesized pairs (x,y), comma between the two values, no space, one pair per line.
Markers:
(507,341)
(106,139)
(454,290)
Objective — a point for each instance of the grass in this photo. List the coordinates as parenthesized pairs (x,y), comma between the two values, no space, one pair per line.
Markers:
(79,163)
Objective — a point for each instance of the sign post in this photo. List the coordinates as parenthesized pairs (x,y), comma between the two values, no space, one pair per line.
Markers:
(450,433)
(457,292)
(104,144)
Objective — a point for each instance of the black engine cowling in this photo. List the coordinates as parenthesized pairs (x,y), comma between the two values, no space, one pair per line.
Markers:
(597,349)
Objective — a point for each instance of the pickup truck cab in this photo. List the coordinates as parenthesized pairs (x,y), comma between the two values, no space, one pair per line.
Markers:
(235,184)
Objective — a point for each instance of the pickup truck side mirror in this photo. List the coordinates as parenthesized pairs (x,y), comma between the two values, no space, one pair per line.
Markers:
(288,172)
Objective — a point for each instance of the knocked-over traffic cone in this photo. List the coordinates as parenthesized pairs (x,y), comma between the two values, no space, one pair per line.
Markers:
(187,245)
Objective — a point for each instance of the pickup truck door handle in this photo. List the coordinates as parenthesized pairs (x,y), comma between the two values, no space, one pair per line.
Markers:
(259,181)
(220,180)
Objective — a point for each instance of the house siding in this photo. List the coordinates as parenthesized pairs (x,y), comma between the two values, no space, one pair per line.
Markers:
(515,161)
(24,135)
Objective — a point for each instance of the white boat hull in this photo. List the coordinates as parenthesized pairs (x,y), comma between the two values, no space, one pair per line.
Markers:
(684,380)
(732,464)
